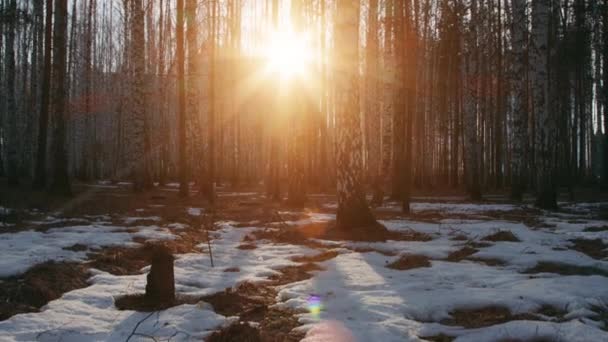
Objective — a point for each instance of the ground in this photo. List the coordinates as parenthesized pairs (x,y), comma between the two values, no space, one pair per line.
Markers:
(449,271)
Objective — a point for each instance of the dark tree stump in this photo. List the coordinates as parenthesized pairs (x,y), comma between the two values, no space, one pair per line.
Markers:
(160,287)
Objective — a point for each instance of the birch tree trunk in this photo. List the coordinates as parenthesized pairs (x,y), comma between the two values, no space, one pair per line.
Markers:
(43,118)
(605,88)
(208,186)
(519,86)
(60,183)
(386,125)
(138,110)
(192,84)
(353,212)
(544,121)
(11,104)
(184,186)
(470,108)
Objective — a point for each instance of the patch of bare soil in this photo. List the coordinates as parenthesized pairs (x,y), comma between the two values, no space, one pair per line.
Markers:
(536,339)
(142,303)
(596,229)
(484,317)
(489,261)
(476,244)
(409,261)
(253,303)
(40,285)
(596,248)
(565,269)
(461,254)
(78,247)
(375,233)
(438,338)
(247,246)
(120,260)
(367,250)
(552,313)
(127,260)
(502,235)
(292,274)
(323,256)
(601,314)
(459,237)
(239,331)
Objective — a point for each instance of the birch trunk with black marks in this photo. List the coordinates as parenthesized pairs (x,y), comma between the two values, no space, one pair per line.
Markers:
(519,103)
(544,138)
(11,103)
(138,110)
(353,211)
(472,170)
(60,183)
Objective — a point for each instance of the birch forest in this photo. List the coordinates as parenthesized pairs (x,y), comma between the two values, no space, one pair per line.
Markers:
(304,170)
(384,97)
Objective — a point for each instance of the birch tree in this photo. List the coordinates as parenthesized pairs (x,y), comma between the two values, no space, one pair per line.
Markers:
(43,116)
(139,158)
(544,138)
(470,111)
(60,182)
(353,212)
(184,186)
(11,103)
(519,103)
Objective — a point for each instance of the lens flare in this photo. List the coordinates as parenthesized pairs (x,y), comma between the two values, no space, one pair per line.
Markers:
(314,306)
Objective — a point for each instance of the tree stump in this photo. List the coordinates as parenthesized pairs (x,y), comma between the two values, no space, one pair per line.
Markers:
(160,287)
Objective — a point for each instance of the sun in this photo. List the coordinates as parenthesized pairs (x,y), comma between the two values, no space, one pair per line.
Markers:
(288,54)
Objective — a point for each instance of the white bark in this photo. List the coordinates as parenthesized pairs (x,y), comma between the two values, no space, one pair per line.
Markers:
(545,127)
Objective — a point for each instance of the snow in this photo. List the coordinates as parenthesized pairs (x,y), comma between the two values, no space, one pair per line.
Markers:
(25,249)
(362,299)
(365,299)
(195,211)
(89,314)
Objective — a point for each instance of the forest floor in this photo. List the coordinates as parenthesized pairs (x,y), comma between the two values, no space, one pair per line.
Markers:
(451,270)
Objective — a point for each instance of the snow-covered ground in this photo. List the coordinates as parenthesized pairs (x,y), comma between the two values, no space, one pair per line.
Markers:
(361,299)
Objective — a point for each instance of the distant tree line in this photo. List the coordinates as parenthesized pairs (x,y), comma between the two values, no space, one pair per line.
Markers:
(487,95)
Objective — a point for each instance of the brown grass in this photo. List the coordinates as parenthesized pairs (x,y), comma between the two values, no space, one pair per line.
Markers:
(483,317)
(596,248)
(410,261)
(252,303)
(502,235)
(596,229)
(324,256)
(489,261)
(238,331)
(565,269)
(291,274)
(438,338)
(461,254)
(142,303)
(39,285)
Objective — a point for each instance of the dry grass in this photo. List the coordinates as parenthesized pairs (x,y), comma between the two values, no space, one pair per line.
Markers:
(438,338)
(324,256)
(483,317)
(252,303)
(596,248)
(142,303)
(565,269)
(39,285)
(461,254)
(410,261)
(596,229)
(502,235)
